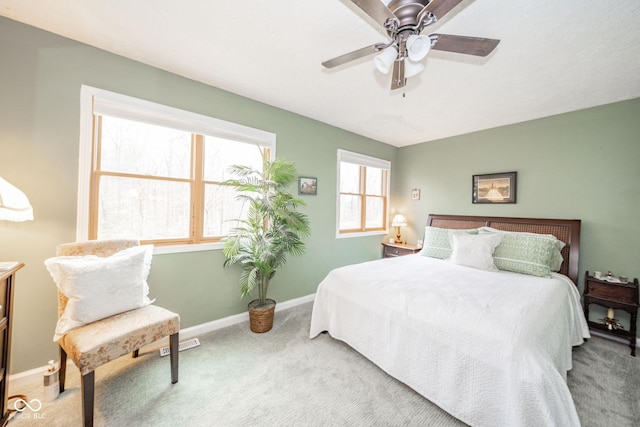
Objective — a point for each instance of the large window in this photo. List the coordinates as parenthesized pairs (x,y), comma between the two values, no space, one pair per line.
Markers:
(363,188)
(154,173)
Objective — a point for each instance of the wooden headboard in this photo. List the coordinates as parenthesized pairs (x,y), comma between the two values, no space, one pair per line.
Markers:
(566,230)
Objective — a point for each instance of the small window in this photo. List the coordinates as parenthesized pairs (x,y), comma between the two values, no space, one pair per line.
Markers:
(363,188)
(154,173)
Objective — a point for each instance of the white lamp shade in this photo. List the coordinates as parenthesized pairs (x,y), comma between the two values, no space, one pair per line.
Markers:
(384,61)
(418,47)
(412,68)
(14,204)
(399,221)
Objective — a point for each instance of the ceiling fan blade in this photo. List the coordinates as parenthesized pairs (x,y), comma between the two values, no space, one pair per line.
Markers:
(462,44)
(376,10)
(397,78)
(351,56)
(441,7)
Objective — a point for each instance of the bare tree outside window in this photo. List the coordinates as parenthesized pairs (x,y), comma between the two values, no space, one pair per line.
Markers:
(363,197)
(162,184)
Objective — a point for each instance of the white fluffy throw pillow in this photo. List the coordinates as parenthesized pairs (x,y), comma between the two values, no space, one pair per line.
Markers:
(100,287)
(474,250)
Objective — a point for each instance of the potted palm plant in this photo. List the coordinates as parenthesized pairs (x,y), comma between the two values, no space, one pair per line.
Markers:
(273,229)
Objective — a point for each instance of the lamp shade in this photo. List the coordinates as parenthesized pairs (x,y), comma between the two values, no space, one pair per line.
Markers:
(412,68)
(399,221)
(384,61)
(418,46)
(14,204)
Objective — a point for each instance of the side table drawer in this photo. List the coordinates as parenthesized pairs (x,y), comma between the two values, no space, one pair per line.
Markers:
(395,251)
(612,291)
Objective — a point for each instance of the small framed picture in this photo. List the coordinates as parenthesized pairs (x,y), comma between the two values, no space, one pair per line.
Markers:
(415,194)
(307,185)
(494,188)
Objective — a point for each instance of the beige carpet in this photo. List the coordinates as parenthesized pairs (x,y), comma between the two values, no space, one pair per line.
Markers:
(237,378)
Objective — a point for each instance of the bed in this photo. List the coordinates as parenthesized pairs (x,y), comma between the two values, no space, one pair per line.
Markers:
(491,347)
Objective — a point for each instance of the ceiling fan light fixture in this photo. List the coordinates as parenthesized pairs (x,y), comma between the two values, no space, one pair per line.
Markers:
(418,46)
(403,21)
(384,61)
(412,68)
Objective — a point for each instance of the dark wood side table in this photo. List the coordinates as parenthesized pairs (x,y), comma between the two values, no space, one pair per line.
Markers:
(7,283)
(398,249)
(619,296)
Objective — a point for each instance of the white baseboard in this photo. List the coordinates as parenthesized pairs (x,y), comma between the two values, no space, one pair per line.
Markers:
(22,378)
(203,328)
(613,338)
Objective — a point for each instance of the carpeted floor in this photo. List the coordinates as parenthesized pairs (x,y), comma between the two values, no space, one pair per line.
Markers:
(282,378)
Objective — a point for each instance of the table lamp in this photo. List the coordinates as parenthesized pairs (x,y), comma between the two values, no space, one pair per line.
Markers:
(398,221)
(14,204)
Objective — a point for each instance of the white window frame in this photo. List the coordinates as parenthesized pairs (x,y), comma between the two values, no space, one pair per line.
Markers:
(94,100)
(362,160)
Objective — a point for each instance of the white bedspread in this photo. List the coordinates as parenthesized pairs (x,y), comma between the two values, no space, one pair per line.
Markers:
(490,348)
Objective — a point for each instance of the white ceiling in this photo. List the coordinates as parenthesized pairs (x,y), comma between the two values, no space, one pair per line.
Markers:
(554,56)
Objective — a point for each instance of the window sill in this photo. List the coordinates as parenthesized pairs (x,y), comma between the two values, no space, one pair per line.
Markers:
(361,234)
(173,249)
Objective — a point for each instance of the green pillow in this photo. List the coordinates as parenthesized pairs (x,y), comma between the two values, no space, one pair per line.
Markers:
(556,259)
(436,242)
(526,253)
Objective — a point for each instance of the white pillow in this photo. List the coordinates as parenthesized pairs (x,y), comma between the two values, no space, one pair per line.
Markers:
(474,250)
(437,243)
(99,287)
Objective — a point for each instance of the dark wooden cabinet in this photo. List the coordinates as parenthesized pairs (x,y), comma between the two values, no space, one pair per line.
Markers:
(618,296)
(7,284)
(398,249)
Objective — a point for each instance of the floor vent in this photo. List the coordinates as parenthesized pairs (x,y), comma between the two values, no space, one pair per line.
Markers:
(184,345)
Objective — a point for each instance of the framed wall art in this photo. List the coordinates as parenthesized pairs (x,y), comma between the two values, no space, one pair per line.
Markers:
(307,185)
(494,188)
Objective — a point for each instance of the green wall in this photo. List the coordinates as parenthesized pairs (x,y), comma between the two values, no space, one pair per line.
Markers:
(40,81)
(578,165)
(581,165)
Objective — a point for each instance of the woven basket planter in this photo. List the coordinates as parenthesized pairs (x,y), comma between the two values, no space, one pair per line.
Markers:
(261,317)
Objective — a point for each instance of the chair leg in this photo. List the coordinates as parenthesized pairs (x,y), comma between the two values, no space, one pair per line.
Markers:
(63,368)
(88,391)
(173,354)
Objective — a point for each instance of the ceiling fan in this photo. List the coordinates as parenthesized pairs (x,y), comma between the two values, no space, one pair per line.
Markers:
(404,20)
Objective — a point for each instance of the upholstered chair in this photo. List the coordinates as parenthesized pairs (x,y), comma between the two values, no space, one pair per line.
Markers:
(94,344)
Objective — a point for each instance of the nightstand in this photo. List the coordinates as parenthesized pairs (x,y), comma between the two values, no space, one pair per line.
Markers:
(7,288)
(619,296)
(398,249)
